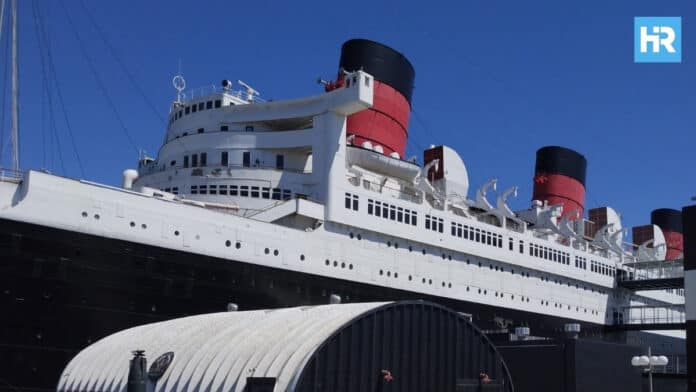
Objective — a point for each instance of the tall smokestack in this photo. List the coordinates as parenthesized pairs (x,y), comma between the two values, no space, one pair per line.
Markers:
(386,123)
(559,178)
(670,221)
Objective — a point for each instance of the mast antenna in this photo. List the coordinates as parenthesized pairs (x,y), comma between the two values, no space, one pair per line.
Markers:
(15,92)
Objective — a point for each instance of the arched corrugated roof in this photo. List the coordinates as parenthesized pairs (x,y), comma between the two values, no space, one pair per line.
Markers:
(214,352)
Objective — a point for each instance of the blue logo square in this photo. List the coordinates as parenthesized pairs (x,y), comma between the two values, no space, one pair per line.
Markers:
(657,39)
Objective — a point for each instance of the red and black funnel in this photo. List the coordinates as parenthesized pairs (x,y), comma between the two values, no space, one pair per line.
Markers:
(670,221)
(559,178)
(386,123)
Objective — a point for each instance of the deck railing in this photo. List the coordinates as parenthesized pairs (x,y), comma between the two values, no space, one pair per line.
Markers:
(7,175)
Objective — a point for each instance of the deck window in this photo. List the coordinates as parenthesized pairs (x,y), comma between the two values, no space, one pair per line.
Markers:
(218,103)
(201,106)
(246,159)
(187,110)
(186,161)
(233,190)
(209,105)
(194,160)
(280,161)
(244,191)
(222,189)
(266,193)
(204,159)
(224,158)
(255,191)
(276,194)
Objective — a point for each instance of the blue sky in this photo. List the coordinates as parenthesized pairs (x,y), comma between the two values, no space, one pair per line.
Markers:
(494,80)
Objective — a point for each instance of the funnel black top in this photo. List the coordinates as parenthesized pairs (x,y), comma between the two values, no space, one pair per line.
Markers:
(384,63)
(561,160)
(667,219)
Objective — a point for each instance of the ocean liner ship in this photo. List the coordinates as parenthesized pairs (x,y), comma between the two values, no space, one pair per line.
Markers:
(260,204)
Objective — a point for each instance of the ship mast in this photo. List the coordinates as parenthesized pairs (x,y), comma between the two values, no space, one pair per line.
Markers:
(15,92)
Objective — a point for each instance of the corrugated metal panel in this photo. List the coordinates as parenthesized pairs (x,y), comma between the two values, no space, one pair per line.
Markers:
(213,351)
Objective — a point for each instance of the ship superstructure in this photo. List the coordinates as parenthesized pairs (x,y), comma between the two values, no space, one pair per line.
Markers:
(280,203)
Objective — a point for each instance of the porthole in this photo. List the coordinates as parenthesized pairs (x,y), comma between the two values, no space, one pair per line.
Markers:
(388,244)
(396,245)
(496,267)
(266,251)
(423,280)
(449,257)
(327,262)
(359,237)
(84,214)
(485,292)
(449,285)
(467,261)
(388,273)
(343,265)
(238,245)
(96,216)
(143,226)
(527,299)
(301,257)
(467,288)
(176,233)
(335,263)
(132,224)
(381,272)
(228,243)
(443,284)
(351,235)
(443,256)
(275,252)
(423,251)
(410,248)
(496,293)
(430,281)
(479,291)
(350,266)
(396,274)
(512,296)
(410,277)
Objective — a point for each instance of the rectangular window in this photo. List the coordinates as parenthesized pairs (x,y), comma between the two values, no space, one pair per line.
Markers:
(427,222)
(244,191)
(224,158)
(347,201)
(276,194)
(280,161)
(246,159)
(488,238)
(203,189)
(201,130)
(355,202)
(385,211)
(440,226)
(222,189)
(400,214)
(187,110)
(218,103)
(255,191)
(194,108)
(175,190)
(407,217)
(370,206)
(266,193)
(209,105)
(194,160)
(224,128)
(453,230)
(204,159)
(249,128)
(186,161)
(459,231)
(392,212)
(378,208)
(194,189)
(181,113)
(201,106)
(521,247)
(233,190)
(478,235)
(287,194)
(213,189)
(414,218)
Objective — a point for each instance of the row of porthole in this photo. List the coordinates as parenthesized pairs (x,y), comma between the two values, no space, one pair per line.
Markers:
(449,257)
(85,214)
(237,245)
(335,263)
(144,226)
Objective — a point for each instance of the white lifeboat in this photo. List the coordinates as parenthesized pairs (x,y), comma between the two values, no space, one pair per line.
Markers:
(383,164)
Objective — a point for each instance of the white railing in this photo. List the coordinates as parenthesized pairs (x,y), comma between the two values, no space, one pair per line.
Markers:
(7,175)
(664,314)
(204,91)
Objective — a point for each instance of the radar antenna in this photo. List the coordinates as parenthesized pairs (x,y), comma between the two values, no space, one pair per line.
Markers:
(179,84)
(251,93)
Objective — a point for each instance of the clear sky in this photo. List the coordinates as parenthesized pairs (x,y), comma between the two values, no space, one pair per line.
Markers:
(495,80)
